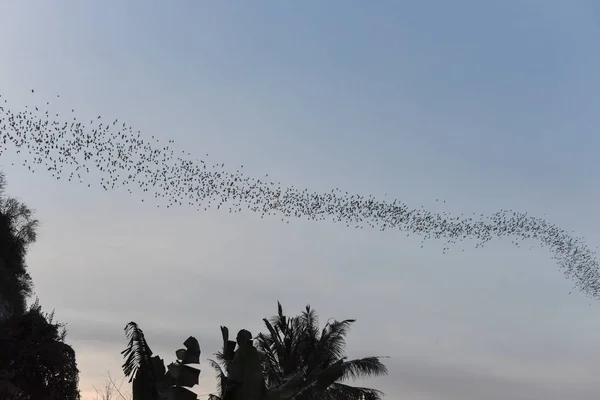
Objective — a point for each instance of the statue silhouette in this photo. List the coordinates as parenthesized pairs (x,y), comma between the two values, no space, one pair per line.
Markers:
(245,379)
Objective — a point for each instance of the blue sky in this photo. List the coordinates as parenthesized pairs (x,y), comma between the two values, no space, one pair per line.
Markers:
(486,105)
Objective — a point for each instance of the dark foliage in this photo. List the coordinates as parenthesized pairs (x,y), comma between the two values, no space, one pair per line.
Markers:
(41,364)
(17,231)
(35,362)
(138,364)
(151,380)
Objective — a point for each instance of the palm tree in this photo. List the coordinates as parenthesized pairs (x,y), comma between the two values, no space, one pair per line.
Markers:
(300,361)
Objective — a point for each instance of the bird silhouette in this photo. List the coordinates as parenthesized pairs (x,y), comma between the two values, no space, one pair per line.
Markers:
(118,156)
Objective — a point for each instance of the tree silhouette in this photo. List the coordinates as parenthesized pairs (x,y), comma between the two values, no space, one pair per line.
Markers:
(17,232)
(151,380)
(138,364)
(41,364)
(36,361)
(301,361)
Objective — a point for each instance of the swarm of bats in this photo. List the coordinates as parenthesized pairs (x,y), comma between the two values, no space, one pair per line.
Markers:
(118,156)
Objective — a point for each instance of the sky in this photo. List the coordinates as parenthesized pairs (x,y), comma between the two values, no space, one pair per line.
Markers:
(484,105)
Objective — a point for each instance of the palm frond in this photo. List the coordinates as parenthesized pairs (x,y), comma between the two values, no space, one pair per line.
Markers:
(332,343)
(269,361)
(221,377)
(137,354)
(363,367)
(309,331)
(310,322)
(293,344)
(220,357)
(279,321)
(291,387)
(339,391)
(274,340)
(216,366)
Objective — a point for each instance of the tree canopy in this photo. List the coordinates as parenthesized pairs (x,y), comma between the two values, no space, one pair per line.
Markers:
(35,361)
(17,231)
